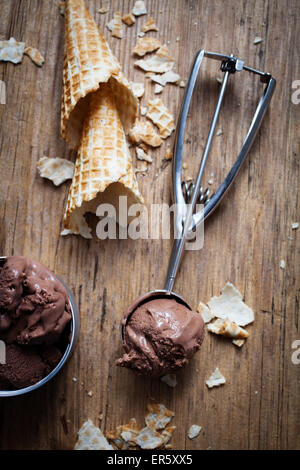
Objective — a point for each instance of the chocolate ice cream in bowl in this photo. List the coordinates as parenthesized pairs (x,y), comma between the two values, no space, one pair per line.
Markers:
(160,332)
(39,325)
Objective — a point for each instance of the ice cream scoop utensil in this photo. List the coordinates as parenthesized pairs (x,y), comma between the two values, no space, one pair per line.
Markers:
(186,196)
(186,220)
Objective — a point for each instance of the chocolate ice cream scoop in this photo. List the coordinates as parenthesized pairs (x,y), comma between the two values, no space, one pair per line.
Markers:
(160,336)
(34,305)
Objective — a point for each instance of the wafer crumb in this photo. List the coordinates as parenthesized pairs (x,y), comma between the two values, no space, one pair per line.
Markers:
(128,19)
(12,51)
(161,117)
(238,342)
(145,45)
(138,89)
(142,155)
(144,132)
(115,26)
(169,154)
(158,89)
(35,56)
(194,431)
(91,437)
(58,170)
(167,77)
(139,8)
(2,92)
(149,26)
(230,305)
(216,379)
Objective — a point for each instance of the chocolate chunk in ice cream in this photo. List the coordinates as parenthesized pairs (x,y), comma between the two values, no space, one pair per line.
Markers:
(34,314)
(160,336)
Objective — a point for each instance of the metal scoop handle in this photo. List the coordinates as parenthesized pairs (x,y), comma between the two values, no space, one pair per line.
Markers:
(185,219)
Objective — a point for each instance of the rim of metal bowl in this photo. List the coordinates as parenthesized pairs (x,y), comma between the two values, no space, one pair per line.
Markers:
(75,326)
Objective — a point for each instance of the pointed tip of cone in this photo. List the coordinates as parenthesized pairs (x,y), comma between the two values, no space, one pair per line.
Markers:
(79,79)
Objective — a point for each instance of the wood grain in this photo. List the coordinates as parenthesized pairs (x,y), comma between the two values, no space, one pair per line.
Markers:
(258,407)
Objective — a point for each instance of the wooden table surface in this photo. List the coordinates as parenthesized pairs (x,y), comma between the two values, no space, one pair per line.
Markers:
(245,240)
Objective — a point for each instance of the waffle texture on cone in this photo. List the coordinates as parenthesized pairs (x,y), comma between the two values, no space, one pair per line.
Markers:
(88,63)
(98,107)
(103,169)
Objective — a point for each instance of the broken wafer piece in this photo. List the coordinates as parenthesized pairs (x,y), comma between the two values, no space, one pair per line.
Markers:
(142,155)
(158,416)
(128,19)
(216,379)
(158,89)
(123,437)
(58,170)
(35,56)
(90,437)
(238,342)
(167,77)
(2,92)
(103,10)
(230,305)
(146,45)
(12,51)
(153,436)
(139,8)
(161,117)
(144,132)
(160,62)
(115,26)
(138,89)
(149,26)
(205,312)
(194,431)
(225,327)
(151,439)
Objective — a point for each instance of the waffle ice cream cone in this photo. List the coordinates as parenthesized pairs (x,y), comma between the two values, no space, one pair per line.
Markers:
(103,169)
(98,107)
(88,63)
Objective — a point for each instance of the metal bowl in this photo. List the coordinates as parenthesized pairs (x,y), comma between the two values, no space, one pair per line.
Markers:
(74,333)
